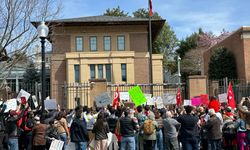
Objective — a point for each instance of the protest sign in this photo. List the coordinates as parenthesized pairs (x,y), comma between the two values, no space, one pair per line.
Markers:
(159,102)
(103,100)
(196,101)
(137,96)
(56,145)
(222,98)
(169,98)
(124,96)
(11,105)
(50,104)
(204,99)
(151,101)
(187,102)
(34,101)
(23,93)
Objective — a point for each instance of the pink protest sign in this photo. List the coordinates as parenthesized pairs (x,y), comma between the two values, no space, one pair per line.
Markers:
(204,99)
(196,101)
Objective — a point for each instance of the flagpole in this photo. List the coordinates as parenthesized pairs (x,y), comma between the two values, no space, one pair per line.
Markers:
(150,49)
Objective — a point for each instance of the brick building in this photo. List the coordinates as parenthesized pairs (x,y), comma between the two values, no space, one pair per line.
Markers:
(102,47)
(239,44)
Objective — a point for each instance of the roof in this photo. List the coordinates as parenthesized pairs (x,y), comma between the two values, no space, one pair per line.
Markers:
(157,24)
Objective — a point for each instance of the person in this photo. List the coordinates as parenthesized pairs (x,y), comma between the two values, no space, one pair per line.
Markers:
(159,134)
(149,132)
(241,132)
(171,127)
(3,136)
(62,127)
(39,132)
(229,129)
(141,117)
(12,130)
(189,129)
(112,121)
(214,104)
(213,131)
(101,130)
(127,131)
(78,130)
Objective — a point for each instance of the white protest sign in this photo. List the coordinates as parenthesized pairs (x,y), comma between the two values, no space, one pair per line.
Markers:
(34,99)
(103,100)
(151,101)
(23,93)
(56,145)
(159,102)
(169,98)
(11,105)
(124,96)
(223,98)
(187,102)
(50,104)
(147,96)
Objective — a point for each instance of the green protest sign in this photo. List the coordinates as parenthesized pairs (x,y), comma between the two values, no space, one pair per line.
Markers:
(137,96)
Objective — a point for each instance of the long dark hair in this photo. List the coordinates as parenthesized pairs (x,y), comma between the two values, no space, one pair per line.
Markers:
(100,121)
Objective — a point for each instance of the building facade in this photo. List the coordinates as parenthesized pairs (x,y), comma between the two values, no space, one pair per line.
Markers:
(239,44)
(102,47)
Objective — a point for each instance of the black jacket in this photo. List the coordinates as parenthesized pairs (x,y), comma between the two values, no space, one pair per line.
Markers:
(189,126)
(112,120)
(127,127)
(101,130)
(78,131)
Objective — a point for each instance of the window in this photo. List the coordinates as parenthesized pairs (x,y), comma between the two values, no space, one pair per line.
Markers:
(124,72)
(107,43)
(120,43)
(108,72)
(100,71)
(79,44)
(92,71)
(93,43)
(77,73)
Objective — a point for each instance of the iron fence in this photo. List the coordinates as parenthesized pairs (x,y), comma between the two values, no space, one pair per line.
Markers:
(157,89)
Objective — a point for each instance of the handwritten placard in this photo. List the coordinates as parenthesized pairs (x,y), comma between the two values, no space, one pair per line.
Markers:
(196,101)
(11,104)
(137,96)
(187,102)
(103,100)
(56,145)
(222,98)
(124,96)
(159,102)
(169,98)
(50,104)
(23,93)
(34,99)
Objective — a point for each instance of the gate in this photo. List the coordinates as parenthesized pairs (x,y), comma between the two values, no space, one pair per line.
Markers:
(240,88)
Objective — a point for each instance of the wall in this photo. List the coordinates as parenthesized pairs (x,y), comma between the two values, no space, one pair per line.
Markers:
(197,85)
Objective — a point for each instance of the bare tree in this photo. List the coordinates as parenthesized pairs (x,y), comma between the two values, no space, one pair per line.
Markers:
(17,34)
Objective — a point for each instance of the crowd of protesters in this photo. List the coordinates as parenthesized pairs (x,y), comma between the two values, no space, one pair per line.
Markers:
(211,127)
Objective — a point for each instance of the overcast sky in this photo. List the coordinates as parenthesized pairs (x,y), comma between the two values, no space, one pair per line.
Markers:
(184,16)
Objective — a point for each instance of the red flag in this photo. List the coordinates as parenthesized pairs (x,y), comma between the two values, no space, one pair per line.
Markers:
(150,8)
(230,96)
(116,100)
(178,97)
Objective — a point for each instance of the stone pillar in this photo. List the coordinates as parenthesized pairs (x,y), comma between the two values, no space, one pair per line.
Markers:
(97,86)
(197,85)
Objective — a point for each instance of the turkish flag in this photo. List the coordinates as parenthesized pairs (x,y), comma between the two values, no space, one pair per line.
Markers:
(230,96)
(178,97)
(150,8)
(116,100)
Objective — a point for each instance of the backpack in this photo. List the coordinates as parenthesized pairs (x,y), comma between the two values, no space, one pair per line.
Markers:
(229,129)
(148,127)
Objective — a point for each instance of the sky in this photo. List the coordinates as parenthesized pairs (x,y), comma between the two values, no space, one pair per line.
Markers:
(184,16)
